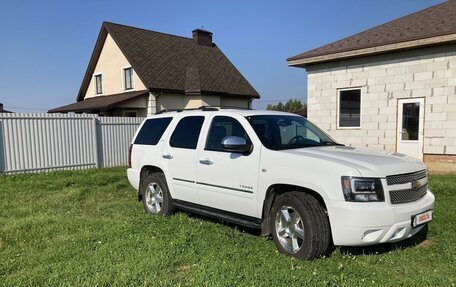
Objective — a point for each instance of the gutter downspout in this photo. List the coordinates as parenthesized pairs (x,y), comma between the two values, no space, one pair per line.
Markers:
(249,103)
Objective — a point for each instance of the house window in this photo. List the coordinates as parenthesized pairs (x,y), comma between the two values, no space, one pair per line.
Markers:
(128,78)
(98,84)
(349,108)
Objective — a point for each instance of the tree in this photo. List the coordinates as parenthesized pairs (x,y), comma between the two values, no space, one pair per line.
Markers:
(291,106)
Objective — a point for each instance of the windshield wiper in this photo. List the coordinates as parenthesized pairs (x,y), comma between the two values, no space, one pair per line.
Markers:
(298,145)
(332,143)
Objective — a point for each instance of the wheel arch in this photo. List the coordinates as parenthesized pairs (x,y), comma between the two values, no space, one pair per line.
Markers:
(145,171)
(277,189)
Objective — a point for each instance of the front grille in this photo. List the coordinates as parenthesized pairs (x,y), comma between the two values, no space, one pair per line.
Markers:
(405,178)
(407,195)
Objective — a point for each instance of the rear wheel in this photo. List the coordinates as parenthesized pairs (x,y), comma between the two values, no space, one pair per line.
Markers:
(155,195)
(300,227)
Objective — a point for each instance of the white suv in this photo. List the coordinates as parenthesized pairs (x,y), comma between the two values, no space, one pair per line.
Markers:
(280,173)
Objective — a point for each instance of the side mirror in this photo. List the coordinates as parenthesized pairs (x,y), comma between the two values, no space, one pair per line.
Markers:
(235,144)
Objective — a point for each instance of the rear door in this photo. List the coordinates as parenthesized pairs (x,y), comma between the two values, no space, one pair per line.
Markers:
(227,180)
(179,156)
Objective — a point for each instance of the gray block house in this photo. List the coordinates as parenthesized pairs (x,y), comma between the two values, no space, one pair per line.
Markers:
(392,87)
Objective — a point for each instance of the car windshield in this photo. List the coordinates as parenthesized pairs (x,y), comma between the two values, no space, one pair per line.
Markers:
(279,132)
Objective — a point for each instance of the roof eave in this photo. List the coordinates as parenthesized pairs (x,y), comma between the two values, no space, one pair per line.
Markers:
(74,107)
(203,92)
(92,62)
(431,41)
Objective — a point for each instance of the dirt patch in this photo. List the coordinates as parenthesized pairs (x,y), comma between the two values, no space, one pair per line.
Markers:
(425,244)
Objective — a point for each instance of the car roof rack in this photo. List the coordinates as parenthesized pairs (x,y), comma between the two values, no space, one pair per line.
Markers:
(202,108)
(234,108)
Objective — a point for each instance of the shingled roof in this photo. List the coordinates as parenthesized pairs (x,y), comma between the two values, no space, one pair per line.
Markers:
(172,63)
(98,103)
(430,26)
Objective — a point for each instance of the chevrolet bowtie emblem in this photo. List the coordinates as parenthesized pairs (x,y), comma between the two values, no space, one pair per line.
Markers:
(416,184)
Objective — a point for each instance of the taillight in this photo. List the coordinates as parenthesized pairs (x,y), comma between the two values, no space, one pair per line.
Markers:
(129,156)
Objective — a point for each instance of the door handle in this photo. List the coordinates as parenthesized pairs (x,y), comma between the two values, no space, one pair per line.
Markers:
(206,161)
(167,156)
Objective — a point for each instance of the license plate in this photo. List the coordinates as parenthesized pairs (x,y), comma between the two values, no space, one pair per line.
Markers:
(421,218)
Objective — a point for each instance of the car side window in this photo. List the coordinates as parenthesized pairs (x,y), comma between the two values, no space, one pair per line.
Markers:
(187,132)
(222,127)
(152,130)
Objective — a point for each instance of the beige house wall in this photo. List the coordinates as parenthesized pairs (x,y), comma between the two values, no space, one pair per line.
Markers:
(179,101)
(111,64)
(122,112)
(213,101)
(234,102)
(383,79)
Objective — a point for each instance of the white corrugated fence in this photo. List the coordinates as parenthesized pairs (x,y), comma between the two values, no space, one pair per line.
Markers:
(40,142)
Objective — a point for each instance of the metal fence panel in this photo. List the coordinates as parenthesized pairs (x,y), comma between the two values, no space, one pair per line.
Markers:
(39,142)
(116,135)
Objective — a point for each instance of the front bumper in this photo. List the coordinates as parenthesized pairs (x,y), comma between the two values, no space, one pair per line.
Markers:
(357,224)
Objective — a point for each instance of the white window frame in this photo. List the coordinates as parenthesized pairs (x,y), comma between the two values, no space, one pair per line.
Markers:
(132,78)
(95,84)
(360,108)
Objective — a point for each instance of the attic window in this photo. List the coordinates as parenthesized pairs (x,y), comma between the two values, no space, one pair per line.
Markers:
(128,78)
(98,84)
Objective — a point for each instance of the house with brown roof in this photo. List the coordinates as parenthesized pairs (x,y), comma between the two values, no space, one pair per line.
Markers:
(391,87)
(138,72)
(2,110)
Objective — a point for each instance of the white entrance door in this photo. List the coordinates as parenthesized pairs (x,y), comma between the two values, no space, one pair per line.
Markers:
(410,122)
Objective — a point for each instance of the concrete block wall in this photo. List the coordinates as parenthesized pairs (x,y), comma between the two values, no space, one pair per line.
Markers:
(383,79)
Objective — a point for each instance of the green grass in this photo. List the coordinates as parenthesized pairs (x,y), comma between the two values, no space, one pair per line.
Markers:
(86,228)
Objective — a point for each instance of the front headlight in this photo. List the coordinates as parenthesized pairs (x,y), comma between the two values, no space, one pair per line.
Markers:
(361,189)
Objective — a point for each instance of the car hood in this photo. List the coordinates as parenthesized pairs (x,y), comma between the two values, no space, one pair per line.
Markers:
(368,162)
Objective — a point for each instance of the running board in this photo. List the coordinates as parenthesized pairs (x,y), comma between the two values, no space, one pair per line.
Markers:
(235,218)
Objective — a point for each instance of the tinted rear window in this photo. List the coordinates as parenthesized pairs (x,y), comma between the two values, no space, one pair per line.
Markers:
(152,131)
(187,132)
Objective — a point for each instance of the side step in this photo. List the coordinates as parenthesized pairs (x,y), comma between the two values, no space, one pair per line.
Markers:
(235,218)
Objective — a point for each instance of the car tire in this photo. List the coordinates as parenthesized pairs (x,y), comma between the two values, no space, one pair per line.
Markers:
(300,226)
(156,198)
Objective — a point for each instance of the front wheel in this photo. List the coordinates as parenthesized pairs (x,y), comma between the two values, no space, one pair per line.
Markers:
(155,195)
(300,227)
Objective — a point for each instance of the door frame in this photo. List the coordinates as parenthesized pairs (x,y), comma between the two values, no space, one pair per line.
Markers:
(422,101)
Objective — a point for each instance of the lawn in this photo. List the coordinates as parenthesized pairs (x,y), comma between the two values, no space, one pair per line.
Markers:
(86,228)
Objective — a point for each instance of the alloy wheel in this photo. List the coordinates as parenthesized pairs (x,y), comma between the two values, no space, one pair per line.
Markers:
(289,229)
(154,197)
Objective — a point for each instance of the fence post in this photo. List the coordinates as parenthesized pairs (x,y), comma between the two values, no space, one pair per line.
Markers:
(96,142)
(2,150)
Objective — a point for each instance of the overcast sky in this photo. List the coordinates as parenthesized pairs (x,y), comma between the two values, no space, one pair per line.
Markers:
(45,46)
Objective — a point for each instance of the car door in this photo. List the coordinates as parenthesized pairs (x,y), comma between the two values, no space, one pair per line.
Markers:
(180,156)
(227,180)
